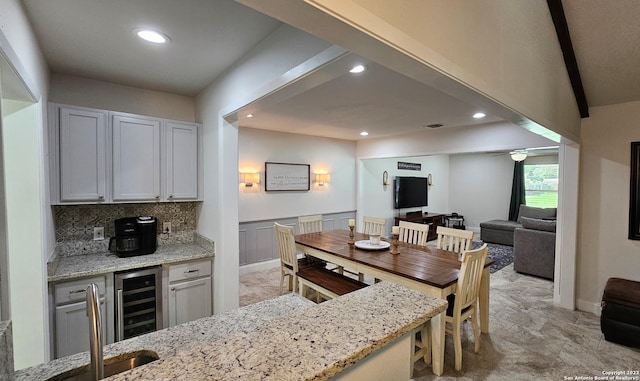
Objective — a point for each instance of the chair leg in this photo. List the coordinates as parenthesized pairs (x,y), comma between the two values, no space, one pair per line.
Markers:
(426,342)
(457,343)
(476,330)
(281,280)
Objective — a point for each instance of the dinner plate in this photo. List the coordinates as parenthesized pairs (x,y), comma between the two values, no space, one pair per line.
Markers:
(367,245)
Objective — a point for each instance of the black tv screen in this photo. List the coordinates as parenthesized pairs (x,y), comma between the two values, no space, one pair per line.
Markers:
(410,192)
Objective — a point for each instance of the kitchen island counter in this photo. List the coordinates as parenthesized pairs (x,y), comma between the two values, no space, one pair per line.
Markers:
(285,338)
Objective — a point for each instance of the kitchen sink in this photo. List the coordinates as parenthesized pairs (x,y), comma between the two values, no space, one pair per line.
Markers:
(112,365)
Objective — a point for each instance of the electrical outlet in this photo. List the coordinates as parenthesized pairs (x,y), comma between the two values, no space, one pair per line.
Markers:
(166,227)
(98,233)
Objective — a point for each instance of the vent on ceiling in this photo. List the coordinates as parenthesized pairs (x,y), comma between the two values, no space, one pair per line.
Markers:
(434,125)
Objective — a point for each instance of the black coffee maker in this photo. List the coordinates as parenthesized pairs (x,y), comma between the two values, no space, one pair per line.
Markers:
(134,236)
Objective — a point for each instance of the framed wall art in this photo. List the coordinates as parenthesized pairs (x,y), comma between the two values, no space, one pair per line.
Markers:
(634,196)
(287,177)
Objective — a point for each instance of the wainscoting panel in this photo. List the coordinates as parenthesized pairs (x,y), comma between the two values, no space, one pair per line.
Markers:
(258,240)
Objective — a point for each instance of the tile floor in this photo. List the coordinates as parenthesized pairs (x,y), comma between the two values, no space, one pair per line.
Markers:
(529,339)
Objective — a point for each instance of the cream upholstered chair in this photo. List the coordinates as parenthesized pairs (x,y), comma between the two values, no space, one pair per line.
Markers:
(373,225)
(455,240)
(462,306)
(411,232)
(288,257)
(310,224)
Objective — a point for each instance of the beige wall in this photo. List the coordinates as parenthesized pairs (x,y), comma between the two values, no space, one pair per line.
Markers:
(79,91)
(603,248)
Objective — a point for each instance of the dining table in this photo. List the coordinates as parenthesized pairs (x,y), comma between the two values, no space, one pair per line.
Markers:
(426,269)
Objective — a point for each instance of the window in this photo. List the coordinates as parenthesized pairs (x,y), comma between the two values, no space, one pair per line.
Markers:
(541,185)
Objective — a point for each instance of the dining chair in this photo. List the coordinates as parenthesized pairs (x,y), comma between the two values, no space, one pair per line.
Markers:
(313,224)
(455,240)
(373,225)
(310,224)
(288,255)
(465,300)
(462,306)
(411,232)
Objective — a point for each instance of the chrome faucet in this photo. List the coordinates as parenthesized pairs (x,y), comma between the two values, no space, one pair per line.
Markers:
(95,332)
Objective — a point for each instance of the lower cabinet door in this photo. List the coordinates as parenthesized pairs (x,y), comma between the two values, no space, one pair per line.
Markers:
(72,328)
(189,300)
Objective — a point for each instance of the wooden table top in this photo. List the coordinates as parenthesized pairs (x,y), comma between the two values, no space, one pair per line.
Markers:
(436,267)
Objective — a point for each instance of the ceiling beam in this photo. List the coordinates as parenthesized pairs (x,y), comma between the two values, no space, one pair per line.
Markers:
(562,30)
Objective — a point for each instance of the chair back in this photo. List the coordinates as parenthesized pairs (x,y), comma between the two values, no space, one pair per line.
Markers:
(469,278)
(287,246)
(373,225)
(455,240)
(310,224)
(411,232)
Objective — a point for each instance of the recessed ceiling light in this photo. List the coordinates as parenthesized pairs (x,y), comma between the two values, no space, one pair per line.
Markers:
(151,36)
(249,115)
(357,69)
(364,133)
(479,115)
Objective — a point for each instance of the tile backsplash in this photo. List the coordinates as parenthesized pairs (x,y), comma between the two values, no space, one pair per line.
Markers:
(74,223)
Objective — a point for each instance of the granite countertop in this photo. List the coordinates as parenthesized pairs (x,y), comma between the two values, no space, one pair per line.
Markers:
(285,338)
(76,266)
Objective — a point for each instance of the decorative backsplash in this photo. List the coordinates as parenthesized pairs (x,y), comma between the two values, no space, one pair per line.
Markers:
(75,223)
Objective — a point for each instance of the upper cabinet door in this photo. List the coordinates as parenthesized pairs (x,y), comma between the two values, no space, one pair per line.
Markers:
(136,159)
(181,161)
(82,154)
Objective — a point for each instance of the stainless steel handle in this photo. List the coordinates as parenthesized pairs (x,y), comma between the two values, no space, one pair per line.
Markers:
(119,316)
(95,332)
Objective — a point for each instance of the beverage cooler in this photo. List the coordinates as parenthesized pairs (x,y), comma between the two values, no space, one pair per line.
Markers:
(138,302)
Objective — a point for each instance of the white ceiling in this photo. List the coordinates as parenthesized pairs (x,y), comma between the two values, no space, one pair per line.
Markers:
(94,39)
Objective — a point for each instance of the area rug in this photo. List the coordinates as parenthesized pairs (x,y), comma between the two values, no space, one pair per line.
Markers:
(501,254)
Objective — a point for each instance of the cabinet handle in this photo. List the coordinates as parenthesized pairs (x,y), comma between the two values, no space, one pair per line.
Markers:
(157,197)
(100,197)
(170,196)
(77,292)
(173,288)
(190,271)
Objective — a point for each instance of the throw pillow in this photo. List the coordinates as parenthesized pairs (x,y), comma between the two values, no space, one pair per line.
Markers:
(538,224)
(533,212)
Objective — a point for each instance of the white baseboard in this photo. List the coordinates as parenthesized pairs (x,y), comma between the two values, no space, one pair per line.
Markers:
(260,266)
(586,306)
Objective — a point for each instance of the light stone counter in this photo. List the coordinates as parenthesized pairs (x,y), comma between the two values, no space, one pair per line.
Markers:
(76,266)
(286,338)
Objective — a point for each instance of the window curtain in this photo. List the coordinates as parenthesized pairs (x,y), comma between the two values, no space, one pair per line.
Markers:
(517,190)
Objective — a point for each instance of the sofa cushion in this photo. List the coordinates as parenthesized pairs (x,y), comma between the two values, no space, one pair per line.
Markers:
(500,225)
(538,224)
(533,212)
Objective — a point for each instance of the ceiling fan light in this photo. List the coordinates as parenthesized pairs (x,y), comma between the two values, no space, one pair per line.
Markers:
(479,115)
(518,155)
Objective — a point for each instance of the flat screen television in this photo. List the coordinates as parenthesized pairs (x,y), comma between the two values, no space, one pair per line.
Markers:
(410,192)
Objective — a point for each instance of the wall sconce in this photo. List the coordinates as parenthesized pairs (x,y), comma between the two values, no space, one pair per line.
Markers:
(430,180)
(322,178)
(248,179)
(385,178)
(519,154)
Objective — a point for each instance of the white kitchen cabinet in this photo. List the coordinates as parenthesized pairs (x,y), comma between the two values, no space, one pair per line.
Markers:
(71,320)
(82,138)
(136,158)
(189,292)
(180,157)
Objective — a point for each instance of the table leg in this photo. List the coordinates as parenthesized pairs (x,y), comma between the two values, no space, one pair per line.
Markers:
(437,342)
(484,300)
